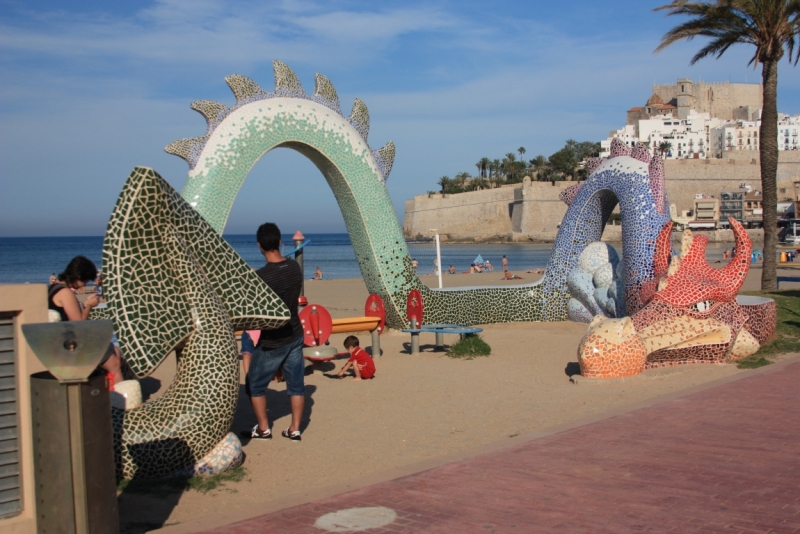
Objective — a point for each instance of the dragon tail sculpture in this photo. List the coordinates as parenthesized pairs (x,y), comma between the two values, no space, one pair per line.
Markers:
(174,284)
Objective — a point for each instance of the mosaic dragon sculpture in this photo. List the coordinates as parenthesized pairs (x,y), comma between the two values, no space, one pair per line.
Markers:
(237,136)
(694,315)
(173,283)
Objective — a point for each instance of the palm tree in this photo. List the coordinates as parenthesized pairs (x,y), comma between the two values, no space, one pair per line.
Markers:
(772,26)
(444,182)
(521,151)
(485,167)
(539,164)
(665,147)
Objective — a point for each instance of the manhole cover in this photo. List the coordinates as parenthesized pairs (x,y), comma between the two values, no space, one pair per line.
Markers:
(354,519)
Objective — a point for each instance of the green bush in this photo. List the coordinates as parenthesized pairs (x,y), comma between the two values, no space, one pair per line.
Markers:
(469,346)
(787,334)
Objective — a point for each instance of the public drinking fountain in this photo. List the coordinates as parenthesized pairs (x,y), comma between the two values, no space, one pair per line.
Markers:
(72,438)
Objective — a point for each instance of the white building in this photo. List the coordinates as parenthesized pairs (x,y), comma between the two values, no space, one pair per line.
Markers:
(699,136)
(734,135)
(787,132)
(686,138)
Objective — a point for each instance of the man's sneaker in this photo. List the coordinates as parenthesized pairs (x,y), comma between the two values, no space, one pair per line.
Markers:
(293,435)
(256,433)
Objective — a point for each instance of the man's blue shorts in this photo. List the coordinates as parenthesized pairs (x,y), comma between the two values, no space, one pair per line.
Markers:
(266,362)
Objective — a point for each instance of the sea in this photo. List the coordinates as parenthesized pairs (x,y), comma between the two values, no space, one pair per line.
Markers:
(34,259)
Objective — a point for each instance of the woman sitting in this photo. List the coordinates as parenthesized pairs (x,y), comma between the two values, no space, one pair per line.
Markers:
(61,298)
(317,274)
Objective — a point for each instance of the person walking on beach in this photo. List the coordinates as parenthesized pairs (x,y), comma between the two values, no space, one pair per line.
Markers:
(281,347)
(505,263)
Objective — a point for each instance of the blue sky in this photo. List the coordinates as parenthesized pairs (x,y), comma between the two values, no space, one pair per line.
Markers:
(91,89)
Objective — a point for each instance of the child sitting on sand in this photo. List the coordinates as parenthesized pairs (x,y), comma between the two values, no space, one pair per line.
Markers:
(360,361)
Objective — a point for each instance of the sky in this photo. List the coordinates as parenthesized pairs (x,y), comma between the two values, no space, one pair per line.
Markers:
(90,89)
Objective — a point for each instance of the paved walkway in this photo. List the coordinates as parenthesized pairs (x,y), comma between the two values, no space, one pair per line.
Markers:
(726,459)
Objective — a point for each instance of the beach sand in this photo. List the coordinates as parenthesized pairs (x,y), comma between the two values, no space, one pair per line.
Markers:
(417,408)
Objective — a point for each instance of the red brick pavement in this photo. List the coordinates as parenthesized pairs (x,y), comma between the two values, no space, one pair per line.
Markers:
(726,459)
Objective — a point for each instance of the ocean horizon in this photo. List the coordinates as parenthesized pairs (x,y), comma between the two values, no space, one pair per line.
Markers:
(33,259)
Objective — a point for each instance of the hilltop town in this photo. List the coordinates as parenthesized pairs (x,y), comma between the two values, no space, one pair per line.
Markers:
(707,134)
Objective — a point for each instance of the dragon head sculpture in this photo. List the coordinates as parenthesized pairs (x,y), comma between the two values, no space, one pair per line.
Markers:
(694,315)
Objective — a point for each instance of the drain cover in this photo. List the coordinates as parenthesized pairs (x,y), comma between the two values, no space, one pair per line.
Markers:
(355,519)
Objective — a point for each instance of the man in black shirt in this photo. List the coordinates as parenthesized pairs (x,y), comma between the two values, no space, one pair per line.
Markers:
(282,346)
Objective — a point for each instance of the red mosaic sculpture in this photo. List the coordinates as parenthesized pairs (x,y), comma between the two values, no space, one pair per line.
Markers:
(694,316)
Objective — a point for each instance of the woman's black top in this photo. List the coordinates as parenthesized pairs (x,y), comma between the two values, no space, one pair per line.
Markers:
(51,292)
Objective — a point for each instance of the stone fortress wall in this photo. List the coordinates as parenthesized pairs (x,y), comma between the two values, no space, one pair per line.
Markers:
(721,99)
(532,211)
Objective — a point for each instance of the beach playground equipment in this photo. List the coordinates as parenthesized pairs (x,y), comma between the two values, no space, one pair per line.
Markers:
(313,124)
(318,327)
(415,310)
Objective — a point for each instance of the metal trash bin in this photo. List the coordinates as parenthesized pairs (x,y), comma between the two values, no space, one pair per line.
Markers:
(75,473)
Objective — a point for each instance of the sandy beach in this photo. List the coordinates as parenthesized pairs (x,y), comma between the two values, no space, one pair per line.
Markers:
(417,408)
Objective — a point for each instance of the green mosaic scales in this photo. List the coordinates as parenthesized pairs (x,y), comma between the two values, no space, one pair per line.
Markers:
(173,283)
(313,125)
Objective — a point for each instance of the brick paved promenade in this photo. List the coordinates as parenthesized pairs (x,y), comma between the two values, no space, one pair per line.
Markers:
(726,459)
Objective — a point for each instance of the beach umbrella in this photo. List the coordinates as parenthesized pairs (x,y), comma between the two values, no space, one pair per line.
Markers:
(479,259)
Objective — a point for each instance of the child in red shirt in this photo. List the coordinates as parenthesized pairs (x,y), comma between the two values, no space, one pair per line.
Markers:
(360,361)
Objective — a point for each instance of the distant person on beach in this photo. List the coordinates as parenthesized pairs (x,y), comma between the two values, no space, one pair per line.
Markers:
(317,274)
(488,266)
(508,276)
(414,263)
(451,270)
(726,255)
(361,362)
(281,347)
(53,279)
(535,271)
(61,299)
(472,269)
(505,263)
(435,265)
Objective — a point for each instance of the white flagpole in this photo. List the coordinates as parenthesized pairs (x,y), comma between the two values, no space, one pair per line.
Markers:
(439,260)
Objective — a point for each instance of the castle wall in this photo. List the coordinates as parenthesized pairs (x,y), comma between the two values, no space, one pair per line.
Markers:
(720,99)
(461,216)
(533,211)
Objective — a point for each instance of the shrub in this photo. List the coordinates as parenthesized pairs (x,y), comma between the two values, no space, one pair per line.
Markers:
(469,346)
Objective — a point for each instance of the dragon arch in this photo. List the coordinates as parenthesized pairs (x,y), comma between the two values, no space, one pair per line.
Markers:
(694,315)
(239,135)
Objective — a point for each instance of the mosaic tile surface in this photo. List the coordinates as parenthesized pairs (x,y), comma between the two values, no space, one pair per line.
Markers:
(594,285)
(173,283)
(225,456)
(238,135)
(693,317)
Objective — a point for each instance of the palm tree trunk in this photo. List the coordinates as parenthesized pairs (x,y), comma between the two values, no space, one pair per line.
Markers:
(768,152)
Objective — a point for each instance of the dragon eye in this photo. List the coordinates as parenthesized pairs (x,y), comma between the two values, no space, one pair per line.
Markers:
(702,306)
